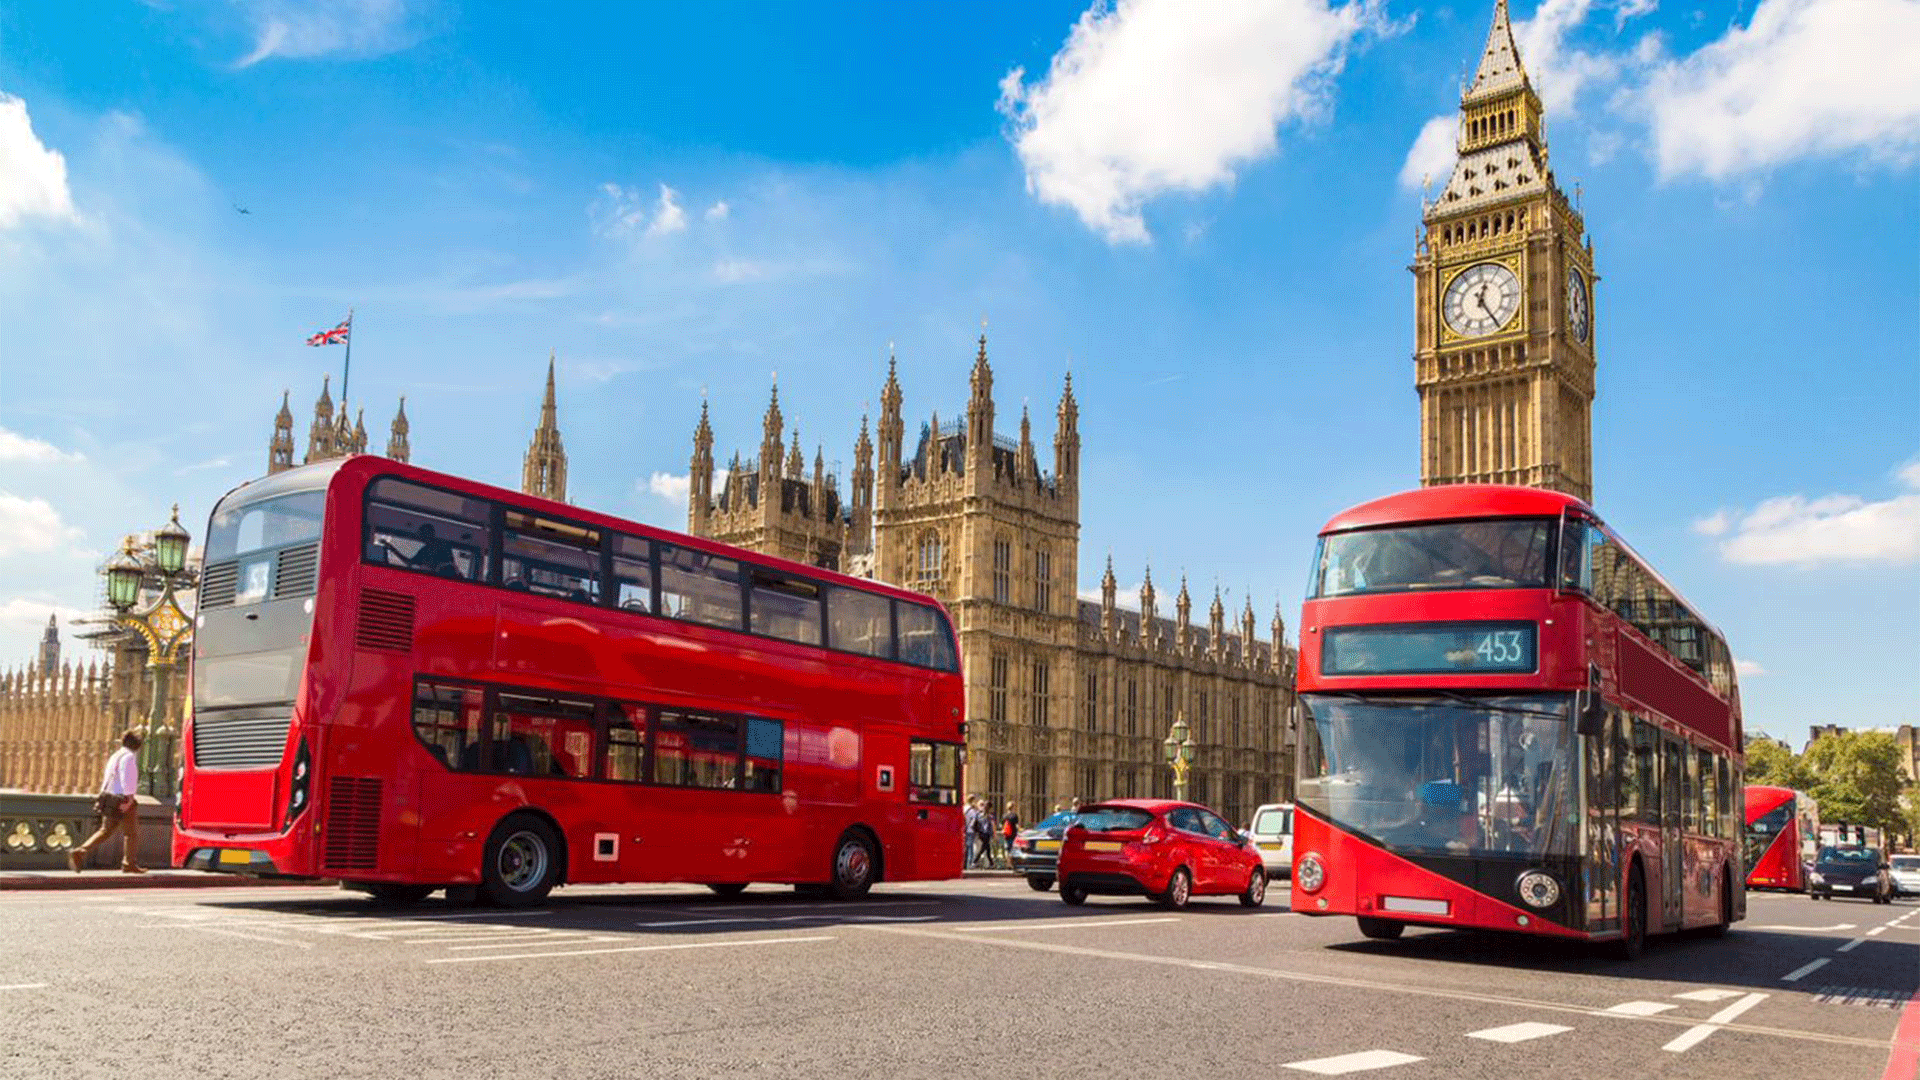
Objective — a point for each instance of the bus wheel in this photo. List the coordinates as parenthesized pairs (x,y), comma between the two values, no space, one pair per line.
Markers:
(853,867)
(1380,929)
(1179,890)
(384,892)
(1633,937)
(520,862)
(1040,882)
(727,888)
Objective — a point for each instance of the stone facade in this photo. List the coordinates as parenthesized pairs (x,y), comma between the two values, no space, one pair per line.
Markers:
(331,435)
(1504,303)
(1066,698)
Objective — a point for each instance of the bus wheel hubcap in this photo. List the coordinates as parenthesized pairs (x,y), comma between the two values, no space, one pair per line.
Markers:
(854,863)
(523,861)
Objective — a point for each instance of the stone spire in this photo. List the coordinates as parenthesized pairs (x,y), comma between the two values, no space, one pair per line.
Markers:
(1066,440)
(773,426)
(544,472)
(1246,631)
(360,431)
(1279,639)
(280,449)
(1147,613)
(796,461)
(1028,465)
(1217,625)
(398,448)
(320,436)
(50,646)
(861,494)
(980,408)
(1183,608)
(1109,588)
(1500,67)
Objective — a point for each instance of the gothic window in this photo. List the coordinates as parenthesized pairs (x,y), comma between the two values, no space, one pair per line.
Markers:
(1002,570)
(1037,788)
(1133,705)
(1089,782)
(1037,695)
(1093,700)
(1042,579)
(929,559)
(1202,720)
(997,687)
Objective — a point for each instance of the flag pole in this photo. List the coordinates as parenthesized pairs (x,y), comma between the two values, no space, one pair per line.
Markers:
(346,369)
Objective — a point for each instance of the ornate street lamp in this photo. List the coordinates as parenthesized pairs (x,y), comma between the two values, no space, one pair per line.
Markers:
(1179,751)
(162,624)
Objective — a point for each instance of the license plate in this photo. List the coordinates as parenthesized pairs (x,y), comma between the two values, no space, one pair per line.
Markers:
(1102,845)
(1264,846)
(1046,845)
(232,855)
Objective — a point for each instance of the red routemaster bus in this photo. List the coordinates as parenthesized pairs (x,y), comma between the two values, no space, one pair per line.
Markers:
(406,680)
(1510,722)
(1783,831)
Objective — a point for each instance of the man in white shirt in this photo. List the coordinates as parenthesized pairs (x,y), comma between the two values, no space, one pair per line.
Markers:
(119,809)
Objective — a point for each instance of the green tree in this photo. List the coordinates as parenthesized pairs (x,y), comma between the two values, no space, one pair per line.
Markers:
(1774,763)
(1857,779)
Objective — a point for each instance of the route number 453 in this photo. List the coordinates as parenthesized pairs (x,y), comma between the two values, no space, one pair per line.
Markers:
(1502,647)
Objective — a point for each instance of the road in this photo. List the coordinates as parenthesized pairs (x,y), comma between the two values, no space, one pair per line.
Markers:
(974,978)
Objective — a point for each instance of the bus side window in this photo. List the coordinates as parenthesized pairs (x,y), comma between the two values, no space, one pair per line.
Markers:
(784,607)
(924,637)
(696,750)
(933,773)
(700,588)
(425,529)
(542,736)
(550,558)
(626,747)
(859,622)
(448,720)
(632,573)
(766,745)
(1645,753)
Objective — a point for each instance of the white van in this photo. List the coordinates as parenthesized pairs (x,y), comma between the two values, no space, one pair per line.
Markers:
(1272,836)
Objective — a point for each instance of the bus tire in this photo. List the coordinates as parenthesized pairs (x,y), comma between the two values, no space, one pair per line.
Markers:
(1179,890)
(1039,882)
(1380,929)
(727,888)
(1633,918)
(855,866)
(521,862)
(387,892)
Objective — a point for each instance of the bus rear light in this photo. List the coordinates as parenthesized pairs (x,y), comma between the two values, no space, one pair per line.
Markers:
(1538,889)
(302,773)
(1310,873)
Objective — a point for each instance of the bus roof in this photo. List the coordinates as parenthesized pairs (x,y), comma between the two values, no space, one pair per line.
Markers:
(1456,501)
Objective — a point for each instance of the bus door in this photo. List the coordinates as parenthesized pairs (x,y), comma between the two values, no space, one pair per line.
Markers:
(1672,847)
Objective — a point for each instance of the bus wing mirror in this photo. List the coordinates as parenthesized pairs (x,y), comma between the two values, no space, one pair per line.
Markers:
(1589,708)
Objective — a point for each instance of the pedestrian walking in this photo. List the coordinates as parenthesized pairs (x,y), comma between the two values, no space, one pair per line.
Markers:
(1009,828)
(119,809)
(983,832)
(971,825)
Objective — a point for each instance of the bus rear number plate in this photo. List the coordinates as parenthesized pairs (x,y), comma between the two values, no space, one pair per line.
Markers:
(1415,905)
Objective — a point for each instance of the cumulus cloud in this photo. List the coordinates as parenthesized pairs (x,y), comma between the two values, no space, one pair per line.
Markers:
(623,211)
(672,488)
(15,447)
(1149,97)
(1802,531)
(33,178)
(1431,159)
(1746,669)
(1805,78)
(719,211)
(305,29)
(31,526)
(668,217)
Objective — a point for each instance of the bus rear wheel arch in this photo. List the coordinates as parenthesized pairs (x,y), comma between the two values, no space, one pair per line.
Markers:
(523,860)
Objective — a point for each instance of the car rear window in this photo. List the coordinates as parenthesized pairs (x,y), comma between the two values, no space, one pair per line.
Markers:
(1273,822)
(1114,819)
(1906,862)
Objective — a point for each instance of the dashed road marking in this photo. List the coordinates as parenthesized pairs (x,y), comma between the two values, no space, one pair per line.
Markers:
(1514,1033)
(1708,995)
(270,939)
(1637,1008)
(1692,1037)
(1357,1062)
(25,986)
(1852,945)
(1803,971)
(1808,929)
(631,949)
(1074,924)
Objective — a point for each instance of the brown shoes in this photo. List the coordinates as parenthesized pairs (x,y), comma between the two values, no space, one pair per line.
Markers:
(131,869)
(75,859)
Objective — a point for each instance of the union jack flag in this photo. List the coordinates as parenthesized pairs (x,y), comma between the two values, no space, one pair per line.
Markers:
(335,336)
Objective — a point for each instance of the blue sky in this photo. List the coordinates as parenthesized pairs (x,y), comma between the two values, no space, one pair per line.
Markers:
(1206,211)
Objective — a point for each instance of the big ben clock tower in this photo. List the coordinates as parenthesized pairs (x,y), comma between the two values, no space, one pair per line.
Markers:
(1503,355)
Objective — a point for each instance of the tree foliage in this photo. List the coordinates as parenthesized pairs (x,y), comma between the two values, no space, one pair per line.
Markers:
(1857,779)
(1775,764)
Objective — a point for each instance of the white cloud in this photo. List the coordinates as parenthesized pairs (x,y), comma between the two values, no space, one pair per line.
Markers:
(668,216)
(1805,78)
(1431,159)
(31,526)
(33,179)
(719,211)
(731,270)
(304,29)
(1746,669)
(1150,96)
(670,487)
(212,463)
(1797,530)
(15,447)
(621,211)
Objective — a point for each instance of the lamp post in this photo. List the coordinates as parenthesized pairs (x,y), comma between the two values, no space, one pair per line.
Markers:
(1179,750)
(160,564)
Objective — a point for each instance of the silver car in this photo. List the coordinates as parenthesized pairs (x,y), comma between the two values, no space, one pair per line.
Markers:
(1272,836)
(1036,850)
(1906,874)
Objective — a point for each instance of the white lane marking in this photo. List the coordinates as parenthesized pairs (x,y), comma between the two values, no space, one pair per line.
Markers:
(1346,1063)
(1637,1008)
(864,904)
(1072,925)
(518,944)
(250,937)
(1691,1037)
(1708,995)
(526,936)
(1851,945)
(1808,929)
(1878,930)
(1514,1033)
(785,919)
(1802,972)
(24,986)
(632,949)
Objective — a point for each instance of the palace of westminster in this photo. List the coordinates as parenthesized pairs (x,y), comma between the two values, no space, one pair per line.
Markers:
(1070,697)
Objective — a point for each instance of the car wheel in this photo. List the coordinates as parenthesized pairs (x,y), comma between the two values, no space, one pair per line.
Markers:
(1380,929)
(1179,890)
(1039,882)
(1256,891)
(1633,937)
(854,867)
(727,888)
(520,863)
(1073,894)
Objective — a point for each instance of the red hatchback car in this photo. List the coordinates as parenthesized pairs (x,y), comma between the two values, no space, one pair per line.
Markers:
(1164,850)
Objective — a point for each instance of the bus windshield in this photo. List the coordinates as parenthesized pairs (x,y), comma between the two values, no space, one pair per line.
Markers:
(1500,553)
(1762,830)
(1443,774)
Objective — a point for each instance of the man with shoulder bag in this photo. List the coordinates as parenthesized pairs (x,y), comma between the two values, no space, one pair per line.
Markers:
(118,808)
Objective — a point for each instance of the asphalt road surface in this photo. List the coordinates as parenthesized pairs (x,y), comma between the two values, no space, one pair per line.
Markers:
(974,978)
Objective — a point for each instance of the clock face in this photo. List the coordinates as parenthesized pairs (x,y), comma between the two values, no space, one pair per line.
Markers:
(1578,319)
(1481,299)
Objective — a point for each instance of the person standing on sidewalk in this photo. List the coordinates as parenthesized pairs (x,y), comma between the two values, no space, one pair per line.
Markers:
(119,809)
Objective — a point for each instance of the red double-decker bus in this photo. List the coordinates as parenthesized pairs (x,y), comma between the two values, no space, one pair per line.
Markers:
(1783,831)
(1510,722)
(406,680)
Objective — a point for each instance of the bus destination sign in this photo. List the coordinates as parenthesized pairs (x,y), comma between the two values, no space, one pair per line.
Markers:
(1430,649)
